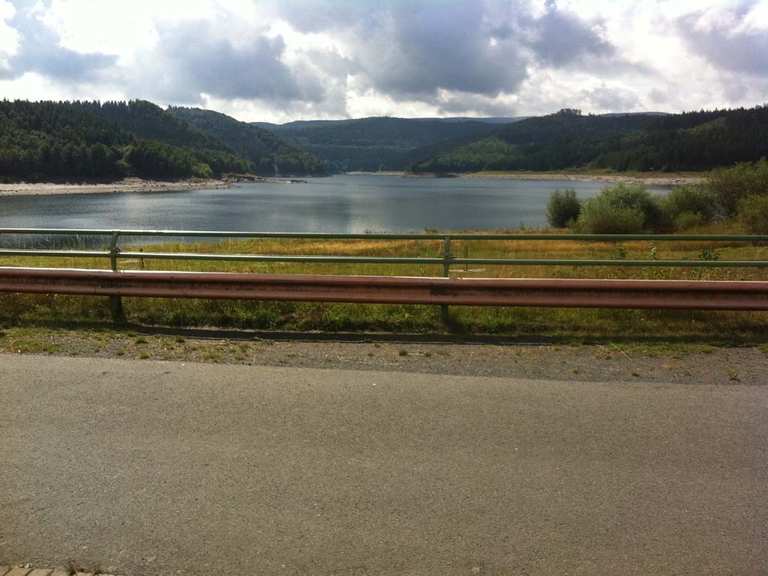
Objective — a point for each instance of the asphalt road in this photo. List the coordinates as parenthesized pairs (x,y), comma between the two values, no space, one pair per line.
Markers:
(164,468)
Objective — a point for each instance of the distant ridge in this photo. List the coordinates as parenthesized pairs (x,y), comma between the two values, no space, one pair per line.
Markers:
(379,143)
(269,153)
(449,119)
(115,139)
(644,141)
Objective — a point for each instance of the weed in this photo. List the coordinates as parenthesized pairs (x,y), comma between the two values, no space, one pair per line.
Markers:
(566,325)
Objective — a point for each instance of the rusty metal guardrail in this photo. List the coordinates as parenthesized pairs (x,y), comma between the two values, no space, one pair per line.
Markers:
(562,293)
(442,291)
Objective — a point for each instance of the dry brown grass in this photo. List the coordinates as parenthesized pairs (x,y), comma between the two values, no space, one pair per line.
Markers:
(572,324)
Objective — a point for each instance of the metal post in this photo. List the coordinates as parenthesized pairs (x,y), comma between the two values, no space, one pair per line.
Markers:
(115,302)
(445,315)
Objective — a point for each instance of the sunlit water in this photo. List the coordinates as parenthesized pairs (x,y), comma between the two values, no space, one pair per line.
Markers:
(343,204)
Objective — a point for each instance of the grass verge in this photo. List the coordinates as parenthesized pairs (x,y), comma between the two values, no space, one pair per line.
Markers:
(564,325)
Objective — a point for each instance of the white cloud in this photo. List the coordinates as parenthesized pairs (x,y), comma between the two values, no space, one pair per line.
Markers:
(287,59)
(9,38)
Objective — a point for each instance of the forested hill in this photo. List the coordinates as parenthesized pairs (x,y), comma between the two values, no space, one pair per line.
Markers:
(379,143)
(267,152)
(82,140)
(86,140)
(643,142)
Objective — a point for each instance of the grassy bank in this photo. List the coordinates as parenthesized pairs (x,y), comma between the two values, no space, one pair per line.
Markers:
(567,325)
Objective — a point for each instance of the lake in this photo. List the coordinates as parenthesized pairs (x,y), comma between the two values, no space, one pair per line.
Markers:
(343,204)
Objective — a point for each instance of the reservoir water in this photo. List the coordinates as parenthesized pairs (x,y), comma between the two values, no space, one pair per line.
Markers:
(344,204)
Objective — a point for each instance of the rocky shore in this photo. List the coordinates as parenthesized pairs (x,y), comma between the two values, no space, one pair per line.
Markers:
(118,186)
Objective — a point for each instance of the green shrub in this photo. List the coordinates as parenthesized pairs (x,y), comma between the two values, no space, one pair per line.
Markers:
(599,216)
(202,170)
(686,220)
(689,206)
(732,185)
(621,209)
(563,208)
(753,213)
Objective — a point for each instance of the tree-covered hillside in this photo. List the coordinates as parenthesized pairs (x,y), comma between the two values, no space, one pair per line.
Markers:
(81,140)
(570,140)
(58,140)
(378,143)
(267,152)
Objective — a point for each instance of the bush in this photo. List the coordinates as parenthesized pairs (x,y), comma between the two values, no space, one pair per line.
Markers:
(689,206)
(563,208)
(600,216)
(621,210)
(202,170)
(732,185)
(686,220)
(753,213)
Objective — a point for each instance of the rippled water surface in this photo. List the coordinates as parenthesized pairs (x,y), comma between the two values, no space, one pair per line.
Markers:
(346,203)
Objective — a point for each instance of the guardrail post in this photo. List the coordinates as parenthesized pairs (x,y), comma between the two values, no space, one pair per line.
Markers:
(115,302)
(445,314)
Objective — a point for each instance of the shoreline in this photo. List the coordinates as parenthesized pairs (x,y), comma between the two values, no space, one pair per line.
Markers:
(650,178)
(127,185)
(138,185)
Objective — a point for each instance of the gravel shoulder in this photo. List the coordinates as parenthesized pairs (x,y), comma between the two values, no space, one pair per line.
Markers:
(606,362)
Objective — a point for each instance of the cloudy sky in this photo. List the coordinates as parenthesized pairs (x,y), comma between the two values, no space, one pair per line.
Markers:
(280,60)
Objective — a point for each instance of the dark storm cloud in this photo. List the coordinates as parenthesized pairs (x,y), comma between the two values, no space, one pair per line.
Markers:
(561,38)
(611,99)
(724,44)
(193,59)
(324,15)
(456,55)
(483,47)
(420,49)
(459,103)
(412,49)
(40,51)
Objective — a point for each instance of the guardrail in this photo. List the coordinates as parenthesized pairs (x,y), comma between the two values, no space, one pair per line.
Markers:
(563,293)
(446,259)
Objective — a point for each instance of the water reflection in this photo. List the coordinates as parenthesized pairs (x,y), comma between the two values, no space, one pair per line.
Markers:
(349,203)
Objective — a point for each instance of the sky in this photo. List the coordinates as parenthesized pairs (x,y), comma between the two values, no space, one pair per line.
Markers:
(284,60)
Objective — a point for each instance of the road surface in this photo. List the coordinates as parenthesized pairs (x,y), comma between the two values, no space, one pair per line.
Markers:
(167,468)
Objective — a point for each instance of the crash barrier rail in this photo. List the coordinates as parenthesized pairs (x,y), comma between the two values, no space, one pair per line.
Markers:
(384,289)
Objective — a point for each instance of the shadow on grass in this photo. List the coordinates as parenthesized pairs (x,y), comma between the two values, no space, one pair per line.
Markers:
(455,333)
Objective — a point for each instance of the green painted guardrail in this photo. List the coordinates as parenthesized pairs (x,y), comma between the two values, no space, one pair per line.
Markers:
(387,236)
(445,258)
